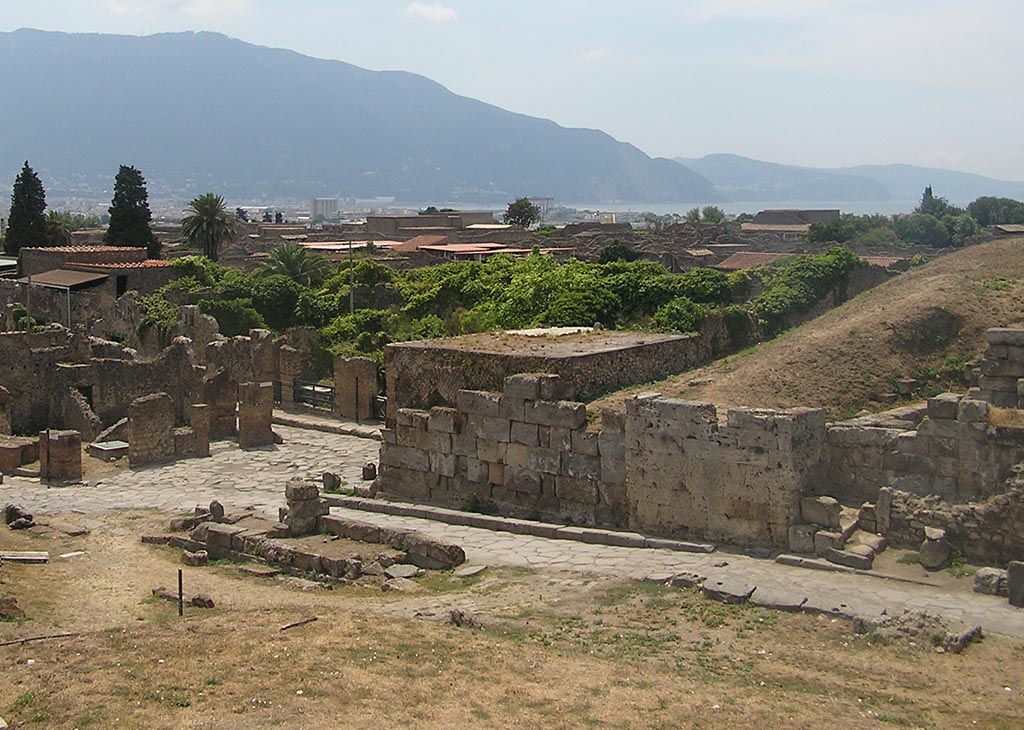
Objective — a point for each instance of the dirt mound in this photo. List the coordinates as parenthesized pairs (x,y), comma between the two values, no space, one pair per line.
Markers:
(925,324)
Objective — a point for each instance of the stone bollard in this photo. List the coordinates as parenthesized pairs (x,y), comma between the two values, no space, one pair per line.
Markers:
(369,472)
(934,549)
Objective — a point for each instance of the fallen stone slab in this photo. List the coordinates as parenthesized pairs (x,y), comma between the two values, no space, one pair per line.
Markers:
(403,570)
(661,578)
(156,539)
(30,557)
(849,558)
(779,599)
(727,590)
(469,571)
(401,585)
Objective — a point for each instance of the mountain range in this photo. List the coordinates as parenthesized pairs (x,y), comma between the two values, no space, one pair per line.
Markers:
(201,111)
(742,179)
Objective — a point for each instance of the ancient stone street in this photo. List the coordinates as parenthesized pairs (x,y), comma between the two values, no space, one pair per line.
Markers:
(256,478)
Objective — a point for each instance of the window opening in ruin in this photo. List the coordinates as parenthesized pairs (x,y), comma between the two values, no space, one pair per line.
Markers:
(122,285)
(86,391)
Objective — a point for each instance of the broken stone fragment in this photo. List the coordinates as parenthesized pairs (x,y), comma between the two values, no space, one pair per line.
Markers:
(935,549)
(822,511)
(217,511)
(989,581)
(195,559)
(13,512)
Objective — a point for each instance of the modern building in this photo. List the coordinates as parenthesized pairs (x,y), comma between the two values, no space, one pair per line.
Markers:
(324,209)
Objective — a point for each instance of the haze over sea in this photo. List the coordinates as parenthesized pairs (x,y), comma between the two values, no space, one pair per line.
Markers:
(888,207)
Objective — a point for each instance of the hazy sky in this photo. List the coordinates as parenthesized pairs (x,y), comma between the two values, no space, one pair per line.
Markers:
(812,82)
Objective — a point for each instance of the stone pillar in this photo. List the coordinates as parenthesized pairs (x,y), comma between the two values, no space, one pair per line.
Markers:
(200,415)
(264,355)
(60,456)
(305,508)
(151,430)
(290,368)
(5,411)
(255,414)
(220,392)
(355,387)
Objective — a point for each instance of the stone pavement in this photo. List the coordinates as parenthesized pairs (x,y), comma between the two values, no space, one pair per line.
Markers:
(256,478)
(239,479)
(841,593)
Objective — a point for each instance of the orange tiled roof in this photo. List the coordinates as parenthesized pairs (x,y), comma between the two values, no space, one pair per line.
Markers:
(147,264)
(749,260)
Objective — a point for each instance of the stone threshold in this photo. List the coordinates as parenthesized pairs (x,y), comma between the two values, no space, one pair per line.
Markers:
(554,531)
(324,425)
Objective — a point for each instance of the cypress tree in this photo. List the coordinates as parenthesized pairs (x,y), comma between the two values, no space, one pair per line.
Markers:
(130,214)
(26,225)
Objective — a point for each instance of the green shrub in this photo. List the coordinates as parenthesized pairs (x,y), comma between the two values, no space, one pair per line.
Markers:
(681,315)
(234,316)
(275,298)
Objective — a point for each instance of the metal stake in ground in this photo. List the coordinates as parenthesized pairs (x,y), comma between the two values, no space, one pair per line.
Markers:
(181,595)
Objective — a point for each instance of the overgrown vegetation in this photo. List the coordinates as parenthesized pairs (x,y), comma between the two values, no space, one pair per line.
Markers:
(341,303)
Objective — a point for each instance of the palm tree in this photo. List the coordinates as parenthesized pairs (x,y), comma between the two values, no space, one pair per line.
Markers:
(297,263)
(208,224)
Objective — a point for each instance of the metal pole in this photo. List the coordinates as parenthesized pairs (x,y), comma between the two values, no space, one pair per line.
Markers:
(181,596)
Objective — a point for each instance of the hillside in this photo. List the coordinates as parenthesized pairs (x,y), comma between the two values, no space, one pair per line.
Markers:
(932,317)
(743,179)
(200,111)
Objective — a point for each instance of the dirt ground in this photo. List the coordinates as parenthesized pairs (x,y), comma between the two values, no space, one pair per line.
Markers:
(555,650)
(920,324)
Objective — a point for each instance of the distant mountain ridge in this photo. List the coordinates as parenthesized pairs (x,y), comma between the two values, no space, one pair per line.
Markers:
(743,179)
(200,111)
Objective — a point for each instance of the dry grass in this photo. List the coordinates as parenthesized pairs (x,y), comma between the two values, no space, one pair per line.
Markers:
(557,650)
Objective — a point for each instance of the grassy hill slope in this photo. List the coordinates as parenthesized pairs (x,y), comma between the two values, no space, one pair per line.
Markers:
(926,323)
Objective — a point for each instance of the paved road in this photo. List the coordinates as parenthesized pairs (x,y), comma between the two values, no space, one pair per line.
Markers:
(239,479)
(256,478)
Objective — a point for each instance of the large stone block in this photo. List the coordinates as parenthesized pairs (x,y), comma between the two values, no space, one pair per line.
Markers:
(443,420)
(1015,583)
(525,386)
(548,461)
(822,511)
(579,466)
(801,539)
(526,434)
(479,403)
(564,414)
(576,490)
(1005,336)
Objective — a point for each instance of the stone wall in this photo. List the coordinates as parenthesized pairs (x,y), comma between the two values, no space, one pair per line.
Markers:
(1001,368)
(355,387)
(255,414)
(986,532)
(741,482)
(665,467)
(60,456)
(5,411)
(151,430)
(589,364)
(954,452)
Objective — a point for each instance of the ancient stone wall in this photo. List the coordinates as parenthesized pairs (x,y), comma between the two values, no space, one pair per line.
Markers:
(953,452)
(587,370)
(355,387)
(151,430)
(5,411)
(986,532)
(48,305)
(255,414)
(741,482)
(1001,368)
(665,467)
(60,456)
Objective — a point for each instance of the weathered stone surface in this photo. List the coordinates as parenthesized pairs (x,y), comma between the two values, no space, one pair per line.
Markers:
(779,599)
(426,552)
(278,530)
(401,585)
(1015,583)
(850,558)
(403,570)
(822,511)
(989,581)
(217,511)
(300,491)
(727,590)
(934,549)
(9,609)
(195,559)
(685,580)
(825,540)
(801,539)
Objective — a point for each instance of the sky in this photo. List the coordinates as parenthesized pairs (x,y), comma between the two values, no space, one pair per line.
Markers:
(810,82)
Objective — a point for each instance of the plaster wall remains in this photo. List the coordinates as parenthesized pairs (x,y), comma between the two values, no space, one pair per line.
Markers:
(255,414)
(154,436)
(355,387)
(60,456)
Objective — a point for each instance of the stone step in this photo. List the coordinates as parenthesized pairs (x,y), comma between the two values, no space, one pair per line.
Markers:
(860,557)
(877,543)
(849,518)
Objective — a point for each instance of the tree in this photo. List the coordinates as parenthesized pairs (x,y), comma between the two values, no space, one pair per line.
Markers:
(712,215)
(58,233)
(935,206)
(618,251)
(991,211)
(130,214)
(26,225)
(208,224)
(522,212)
(693,216)
(297,263)
(921,228)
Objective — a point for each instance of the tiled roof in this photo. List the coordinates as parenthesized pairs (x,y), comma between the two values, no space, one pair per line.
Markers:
(414,243)
(78,249)
(147,264)
(883,261)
